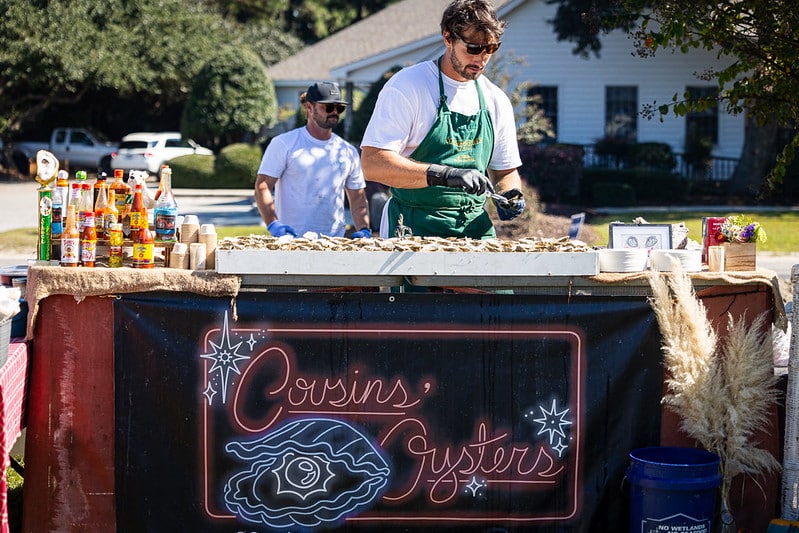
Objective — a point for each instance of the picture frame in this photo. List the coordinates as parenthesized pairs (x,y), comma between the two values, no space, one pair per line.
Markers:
(649,236)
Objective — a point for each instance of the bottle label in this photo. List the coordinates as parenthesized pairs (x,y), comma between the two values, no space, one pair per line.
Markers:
(70,247)
(99,221)
(137,221)
(88,251)
(165,225)
(108,219)
(142,255)
(115,256)
(57,221)
(88,219)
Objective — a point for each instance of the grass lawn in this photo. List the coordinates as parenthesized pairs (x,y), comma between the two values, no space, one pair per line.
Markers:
(780,226)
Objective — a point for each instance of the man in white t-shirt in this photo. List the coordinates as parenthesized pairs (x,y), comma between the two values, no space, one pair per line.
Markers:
(305,173)
(442,135)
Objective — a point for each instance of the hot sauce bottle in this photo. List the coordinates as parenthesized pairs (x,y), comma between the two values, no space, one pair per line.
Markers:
(110,215)
(70,240)
(143,249)
(115,240)
(121,191)
(88,241)
(138,213)
(100,206)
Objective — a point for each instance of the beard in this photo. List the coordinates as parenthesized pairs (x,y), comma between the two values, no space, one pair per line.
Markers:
(462,69)
(324,120)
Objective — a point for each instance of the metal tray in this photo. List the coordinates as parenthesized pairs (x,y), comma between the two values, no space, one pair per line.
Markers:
(485,267)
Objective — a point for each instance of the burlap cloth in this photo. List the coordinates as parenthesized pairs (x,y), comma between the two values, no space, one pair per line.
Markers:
(44,281)
(753,277)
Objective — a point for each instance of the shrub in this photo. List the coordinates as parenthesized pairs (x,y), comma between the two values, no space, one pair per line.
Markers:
(236,166)
(612,150)
(650,186)
(613,194)
(652,156)
(555,169)
(193,171)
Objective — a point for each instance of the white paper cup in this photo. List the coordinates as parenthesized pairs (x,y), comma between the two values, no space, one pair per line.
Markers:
(715,258)
(190,229)
(197,256)
(179,257)
(208,237)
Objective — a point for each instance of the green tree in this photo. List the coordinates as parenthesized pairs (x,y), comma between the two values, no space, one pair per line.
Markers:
(583,21)
(312,20)
(55,52)
(760,35)
(762,80)
(232,99)
(270,43)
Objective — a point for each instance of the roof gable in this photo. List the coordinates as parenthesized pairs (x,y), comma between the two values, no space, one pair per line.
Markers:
(397,26)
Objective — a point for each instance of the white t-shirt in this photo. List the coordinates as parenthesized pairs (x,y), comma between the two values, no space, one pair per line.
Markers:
(406,108)
(311,176)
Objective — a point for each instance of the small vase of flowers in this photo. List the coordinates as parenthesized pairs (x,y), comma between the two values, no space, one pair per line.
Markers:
(739,235)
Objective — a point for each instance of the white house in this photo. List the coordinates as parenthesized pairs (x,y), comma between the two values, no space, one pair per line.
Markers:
(585,98)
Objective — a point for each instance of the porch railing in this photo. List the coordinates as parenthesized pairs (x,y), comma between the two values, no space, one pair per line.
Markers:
(718,169)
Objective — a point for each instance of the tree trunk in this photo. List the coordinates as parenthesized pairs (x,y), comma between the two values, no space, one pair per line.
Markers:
(758,155)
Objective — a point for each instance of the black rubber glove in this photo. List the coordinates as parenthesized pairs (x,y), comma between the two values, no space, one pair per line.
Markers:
(467,179)
(512,206)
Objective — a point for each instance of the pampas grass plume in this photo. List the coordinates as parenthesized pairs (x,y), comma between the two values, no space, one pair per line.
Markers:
(722,393)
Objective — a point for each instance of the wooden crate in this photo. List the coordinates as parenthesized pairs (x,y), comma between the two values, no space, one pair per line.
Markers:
(740,256)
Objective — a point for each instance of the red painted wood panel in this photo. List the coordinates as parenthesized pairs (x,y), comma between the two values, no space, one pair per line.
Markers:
(69,444)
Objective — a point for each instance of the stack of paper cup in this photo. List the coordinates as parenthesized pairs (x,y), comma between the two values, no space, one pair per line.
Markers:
(190,229)
(208,237)
(179,258)
(197,256)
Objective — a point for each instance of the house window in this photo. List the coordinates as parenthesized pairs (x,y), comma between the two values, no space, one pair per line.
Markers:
(621,112)
(703,124)
(548,103)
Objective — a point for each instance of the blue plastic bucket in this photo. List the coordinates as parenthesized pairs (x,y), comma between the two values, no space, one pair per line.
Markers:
(673,489)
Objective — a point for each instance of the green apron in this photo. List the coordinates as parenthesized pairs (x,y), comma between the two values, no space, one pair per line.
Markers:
(456,140)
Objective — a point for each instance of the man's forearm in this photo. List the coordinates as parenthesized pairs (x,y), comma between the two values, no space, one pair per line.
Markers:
(359,208)
(265,201)
(392,169)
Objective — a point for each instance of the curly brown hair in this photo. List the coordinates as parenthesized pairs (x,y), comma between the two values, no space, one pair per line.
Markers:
(462,15)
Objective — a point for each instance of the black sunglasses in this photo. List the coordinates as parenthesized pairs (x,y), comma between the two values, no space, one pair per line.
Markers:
(477,49)
(338,107)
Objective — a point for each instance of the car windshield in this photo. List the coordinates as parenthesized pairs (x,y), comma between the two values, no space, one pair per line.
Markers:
(133,145)
(177,143)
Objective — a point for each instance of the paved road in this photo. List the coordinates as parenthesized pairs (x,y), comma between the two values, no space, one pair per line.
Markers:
(220,207)
(231,208)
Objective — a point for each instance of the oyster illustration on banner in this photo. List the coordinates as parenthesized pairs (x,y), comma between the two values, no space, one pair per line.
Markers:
(306,473)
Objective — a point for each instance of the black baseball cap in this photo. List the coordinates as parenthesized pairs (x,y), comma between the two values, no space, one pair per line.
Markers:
(324,92)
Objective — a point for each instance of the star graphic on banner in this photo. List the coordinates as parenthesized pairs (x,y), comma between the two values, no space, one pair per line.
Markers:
(225,359)
(209,393)
(553,422)
(252,341)
(560,447)
(474,486)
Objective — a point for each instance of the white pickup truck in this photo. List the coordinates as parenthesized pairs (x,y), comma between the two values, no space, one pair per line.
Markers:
(75,148)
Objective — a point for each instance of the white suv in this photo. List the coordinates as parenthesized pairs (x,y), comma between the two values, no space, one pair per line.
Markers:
(148,151)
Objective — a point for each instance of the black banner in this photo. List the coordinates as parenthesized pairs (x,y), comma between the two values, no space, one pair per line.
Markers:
(367,411)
